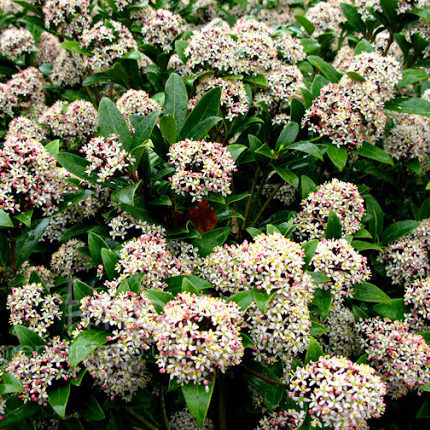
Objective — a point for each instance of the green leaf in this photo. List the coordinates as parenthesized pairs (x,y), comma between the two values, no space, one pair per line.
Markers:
(25,217)
(397,230)
(367,292)
(424,210)
(74,164)
(111,121)
(81,290)
(359,313)
(58,399)
(53,147)
(109,259)
(176,103)
(373,152)
(338,156)
(28,240)
(389,10)
(356,76)
(180,47)
(297,110)
(307,186)
(9,384)
(168,128)
(424,411)
(395,311)
(28,338)
(143,126)
(247,342)
(308,148)
(325,68)
(361,245)
(197,400)
(254,232)
(260,80)
(353,17)
(175,283)
(322,300)
(126,195)
(201,130)
(314,351)
(262,299)
(305,23)
(85,343)
(17,411)
(159,299)
(334,227)
(309,248)
(74,46)
(317,329)
(93,411)
(411,76)
(243,299)
(206,107)
(288,135)
(376,216)
(188,286)
(317,84)
(287,175)
(211,239)
(363,46)
(409,105)
(95,245)
(319,278)
(5,220)
(235,150)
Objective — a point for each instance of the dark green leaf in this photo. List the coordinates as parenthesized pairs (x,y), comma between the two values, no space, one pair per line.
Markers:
(409,105)
(309,248)
(297,110)
(197,400)
(95,245)
(262,299)
(243,299)
(317,84)
(288,135)
(395,311)
(201,130)
(322,300)
(93,411)
(159,299)
(176,103)
(126,195)
(397,230)
(260,80)
(356,76)
(73,164)
(411,76)
(305,23)
(58,399)
(85,343)
(74,46)
(361,245)
(188,286)
(81,290)
(143,126)
(334,227)
(235,150)
(180,47)
(17,411)
(308,148)
(211,239)
(389,8)
(314,351)
(307,186)
(109,259)
(319,278)
(28,338)
(168,128)
(353,17)
(338,156)
(9,384)
(5,220)
(287,175)
(376,216)
(368,292)
(373,152)
(325,68)
(317,329)
(424,411)
(363,46)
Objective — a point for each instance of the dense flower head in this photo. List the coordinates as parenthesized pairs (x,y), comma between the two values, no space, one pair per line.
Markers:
(344,58)
(234,100)
(403,6)
(409,138)
(401,358)
(68,69)
(186,253)
(200,168)
(39,371)
(7,6)
(282,331)
(417,294)
(158,27)
(68,17)
(286,193)
(123,223)
(48,278)
(282,420)
(148,254)
(15,42)
(422,233)
(29,305)
(107,157)
(22,126)
(182,420)
(29,177)
(271,262)
(68,260)
(338,260)
(48,48)
(290,49)
(107,41)
(82,120)
(325,17)
(197,335)
(340,197)
(405,260)
(136,102)
(340,393)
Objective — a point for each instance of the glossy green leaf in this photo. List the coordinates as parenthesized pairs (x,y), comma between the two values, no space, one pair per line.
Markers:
(85,343)
(305,23)
(338,156)
(308,148)
(395,311)
(211,239)
(375,216)
(307,186)
(314,351)
(397,230)
(126,195)
(288,135)
(159,299)
(334,227)
(412,76)
(424,411)
(28,338)
(109,260)
(168,128)
(374,153)
(353,17)
(93,411)
(5,220)
(143,126)
(201,129)
(409,105)
(198,400)
(95,245)
(58,398)
(363,46)
(322,300)
(325,68)
(368,292)
(9,384)
(81,290)
(262,299)
(243,299)
(317,329)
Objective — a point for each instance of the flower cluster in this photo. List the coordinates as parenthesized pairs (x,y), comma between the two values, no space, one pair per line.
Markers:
(29,305)
(136,102)
(25,127)
(107,41)
(200,168)
(182,420)
(39,371)
(286,194)
(417,294)
(234,101)
(122,224)
(405,260)
(340,197)
(282,420)
(422,233)
(68,69)
(148,254)
(15,42)
(401,358)
(48,48)
(340,393)
(68,260)
(338,260)
(196,335)
(326,17)
(289,48)
(107,157)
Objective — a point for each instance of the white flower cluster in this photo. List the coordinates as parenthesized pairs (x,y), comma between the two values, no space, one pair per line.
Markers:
(326,17)
(286,193)
(107,41)
(338,260)
(68,17)
(48,48)
(186,253)
(68,69)
(197,335)
(31,306)
(403,6)
(282,420)
(24,91)
(290,48)
(118,367)
(340,197)
(158,27)
(38,372)
(68,260)
(409,138)
(340,393)
(107,157)
(417,294)
(405,260)
(401,358)
(200,168)
(422,233)
(47,277)
(121,225)
(182,420)
(15,42)
(136,102)
(25,127)
(234,101)
(148,254)
(29,177)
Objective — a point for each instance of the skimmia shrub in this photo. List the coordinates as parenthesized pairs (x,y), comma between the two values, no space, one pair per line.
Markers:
(215,214)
